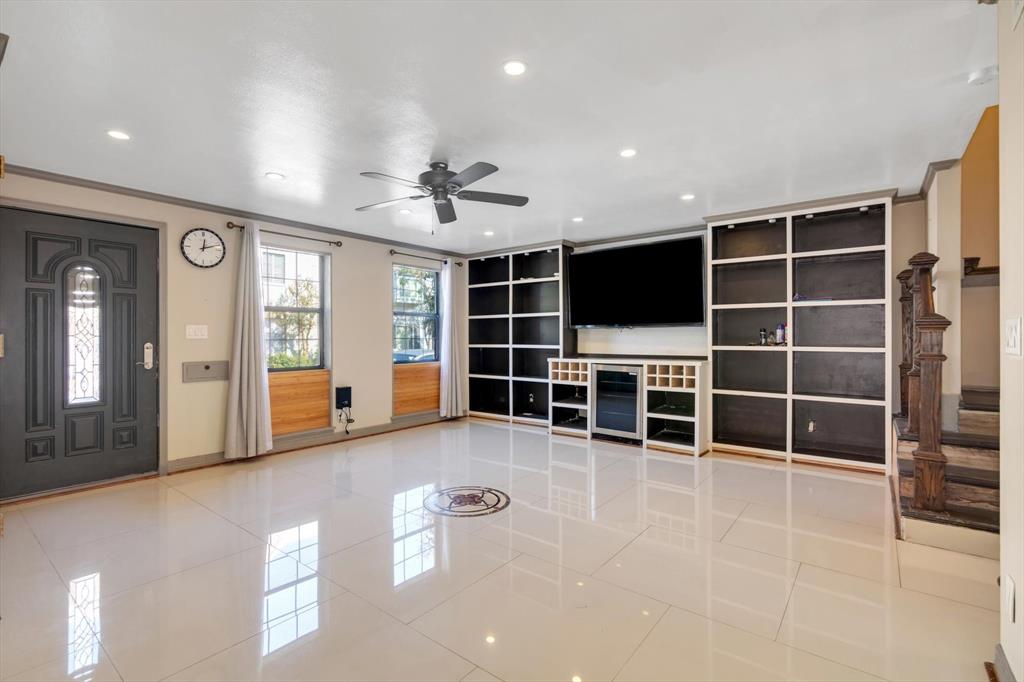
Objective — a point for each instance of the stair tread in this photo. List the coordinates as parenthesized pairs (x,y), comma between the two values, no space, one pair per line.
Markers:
(979,400)
(967,440)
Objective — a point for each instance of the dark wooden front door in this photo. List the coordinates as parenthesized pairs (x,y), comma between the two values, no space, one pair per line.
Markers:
(78,306)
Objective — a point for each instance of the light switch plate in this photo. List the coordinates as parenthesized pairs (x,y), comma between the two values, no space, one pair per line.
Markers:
(1013,336)
(196,331)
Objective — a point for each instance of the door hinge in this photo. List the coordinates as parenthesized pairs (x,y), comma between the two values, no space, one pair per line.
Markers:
(1,345)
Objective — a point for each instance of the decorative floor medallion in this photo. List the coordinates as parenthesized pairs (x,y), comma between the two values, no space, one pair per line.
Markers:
(466,500)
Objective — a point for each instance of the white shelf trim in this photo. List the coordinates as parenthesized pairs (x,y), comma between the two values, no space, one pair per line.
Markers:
(489,376)
(488,284)
(852,301)
(749,259)
(666,444)
(488,317)
(758,348)
(555,314)
(839,349)
(570,406)
(536,279)
(673,417)
(535,380)
(740,306)
(837,252)
(530,345)
(753,394)
(837,399)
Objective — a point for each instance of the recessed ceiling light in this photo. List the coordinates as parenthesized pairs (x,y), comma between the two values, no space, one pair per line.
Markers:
(273,175)
(489,233)
(688,197)
(578,219)
(627,153)
(489,639)
(514,67)
(405,211)
(119,135)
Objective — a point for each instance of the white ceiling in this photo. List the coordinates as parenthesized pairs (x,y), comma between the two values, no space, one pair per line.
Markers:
(745,104)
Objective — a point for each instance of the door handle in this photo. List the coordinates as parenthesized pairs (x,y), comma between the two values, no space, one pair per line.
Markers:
(147,356)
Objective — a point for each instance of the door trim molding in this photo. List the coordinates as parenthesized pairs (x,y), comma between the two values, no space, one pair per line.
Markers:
(162,288)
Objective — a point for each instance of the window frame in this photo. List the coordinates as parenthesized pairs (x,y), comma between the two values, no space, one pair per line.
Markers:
(436,315)
(322,311)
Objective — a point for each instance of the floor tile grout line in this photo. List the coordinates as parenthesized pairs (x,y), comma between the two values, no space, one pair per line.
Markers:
(789,598)
(640,644)
(619,551)
(246,638)
(735,519)
(67,590)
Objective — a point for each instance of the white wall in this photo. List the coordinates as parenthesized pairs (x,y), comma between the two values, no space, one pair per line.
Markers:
(193,414)
(1011,285)
(944,242)
(645,341)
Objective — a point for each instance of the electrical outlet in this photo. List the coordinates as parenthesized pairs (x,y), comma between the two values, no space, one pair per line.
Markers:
(196,331)
(1012,346)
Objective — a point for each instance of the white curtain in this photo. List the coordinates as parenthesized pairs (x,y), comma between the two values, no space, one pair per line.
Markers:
(248,419)
(451,370)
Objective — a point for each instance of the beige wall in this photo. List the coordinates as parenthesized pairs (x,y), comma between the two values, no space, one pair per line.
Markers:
(192,415)
(979,205)
(979,340)
(943,199)
(1011,303)
(909,237)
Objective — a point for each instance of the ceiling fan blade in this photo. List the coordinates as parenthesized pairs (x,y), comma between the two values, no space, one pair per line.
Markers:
(389,202)
(475,172)
(445,211)
(494,198)
(391,178)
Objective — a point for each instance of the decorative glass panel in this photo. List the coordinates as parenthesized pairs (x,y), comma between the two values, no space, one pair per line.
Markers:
(82,293)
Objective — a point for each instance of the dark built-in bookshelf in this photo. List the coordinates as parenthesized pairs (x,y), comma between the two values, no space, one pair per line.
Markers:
(517,321)
(822,393)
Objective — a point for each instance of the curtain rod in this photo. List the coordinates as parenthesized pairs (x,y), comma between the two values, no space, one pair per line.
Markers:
(413,255)
(233,226)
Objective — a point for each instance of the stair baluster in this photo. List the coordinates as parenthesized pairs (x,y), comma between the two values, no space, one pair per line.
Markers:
(907,319)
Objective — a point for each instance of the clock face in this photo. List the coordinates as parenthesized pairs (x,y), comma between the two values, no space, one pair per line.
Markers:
(202,248)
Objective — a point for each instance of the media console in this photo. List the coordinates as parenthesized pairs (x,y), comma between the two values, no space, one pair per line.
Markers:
(671,397)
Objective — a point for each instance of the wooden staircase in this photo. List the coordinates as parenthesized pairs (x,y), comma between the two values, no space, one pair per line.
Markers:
(979,411)
(944,477)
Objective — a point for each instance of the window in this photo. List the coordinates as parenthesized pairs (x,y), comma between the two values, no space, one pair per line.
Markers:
(415,311)
(293,306)
(83,329)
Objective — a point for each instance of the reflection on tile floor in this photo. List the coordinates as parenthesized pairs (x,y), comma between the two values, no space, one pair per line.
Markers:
(611,563)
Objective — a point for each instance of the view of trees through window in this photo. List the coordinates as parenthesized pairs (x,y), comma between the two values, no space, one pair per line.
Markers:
(415,310)
(293,308)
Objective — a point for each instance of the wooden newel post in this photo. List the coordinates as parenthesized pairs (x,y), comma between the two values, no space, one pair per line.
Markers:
(907,327)
(929,462)
(929,326)
(921,292)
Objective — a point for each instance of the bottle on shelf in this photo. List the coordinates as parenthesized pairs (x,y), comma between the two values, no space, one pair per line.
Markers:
(780,334)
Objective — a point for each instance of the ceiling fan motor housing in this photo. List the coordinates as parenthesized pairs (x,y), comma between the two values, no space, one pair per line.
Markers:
(437,180)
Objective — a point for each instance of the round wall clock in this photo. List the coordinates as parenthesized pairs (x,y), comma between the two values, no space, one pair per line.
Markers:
(202,248)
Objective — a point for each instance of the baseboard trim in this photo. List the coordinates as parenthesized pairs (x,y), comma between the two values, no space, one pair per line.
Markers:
(1003,671)
(309,439)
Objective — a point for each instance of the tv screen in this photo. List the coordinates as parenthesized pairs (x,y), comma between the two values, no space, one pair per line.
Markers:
(655,284)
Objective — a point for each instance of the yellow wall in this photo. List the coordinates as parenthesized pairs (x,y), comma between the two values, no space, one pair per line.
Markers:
(979,205)
(193,415)
(1011,303)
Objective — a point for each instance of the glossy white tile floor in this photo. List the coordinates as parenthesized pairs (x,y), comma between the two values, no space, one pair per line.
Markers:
(610,563)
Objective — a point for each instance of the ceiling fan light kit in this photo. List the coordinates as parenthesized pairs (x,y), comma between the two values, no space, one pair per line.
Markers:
(440,184)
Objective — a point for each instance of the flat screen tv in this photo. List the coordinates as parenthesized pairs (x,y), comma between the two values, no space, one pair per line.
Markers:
(658,284)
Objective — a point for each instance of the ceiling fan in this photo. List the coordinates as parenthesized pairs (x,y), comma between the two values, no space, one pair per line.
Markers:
(441,184)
